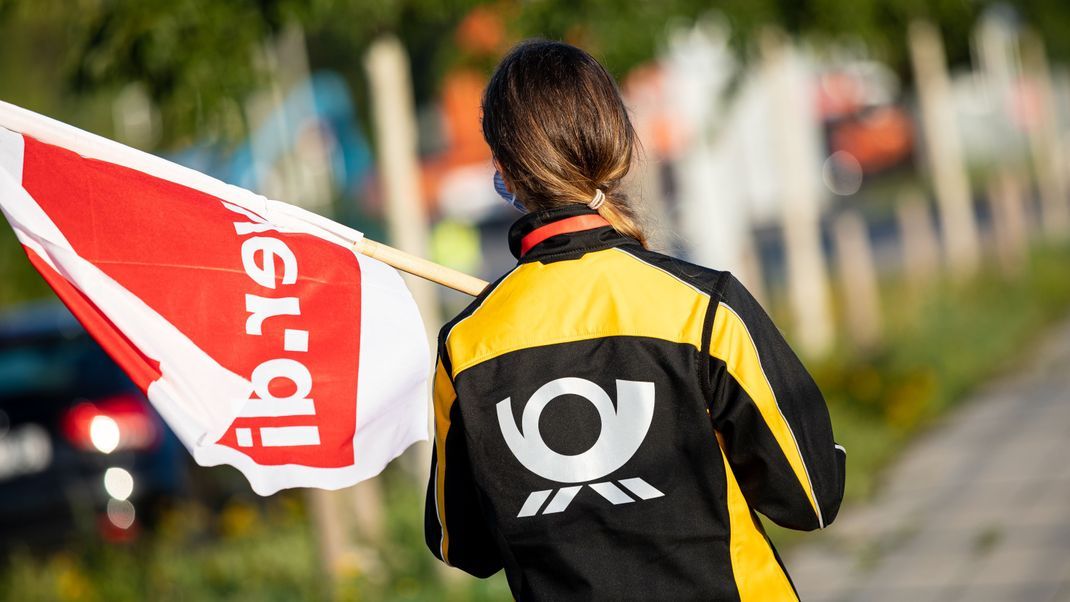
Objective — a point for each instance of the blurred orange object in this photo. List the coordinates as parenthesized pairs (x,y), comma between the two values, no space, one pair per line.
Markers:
(462,94)
(878,138)
(660,130)
(482,31)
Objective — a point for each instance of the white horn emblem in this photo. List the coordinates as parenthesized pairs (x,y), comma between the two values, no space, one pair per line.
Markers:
(622,433)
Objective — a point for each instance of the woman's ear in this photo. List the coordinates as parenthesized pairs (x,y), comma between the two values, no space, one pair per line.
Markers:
(505,179)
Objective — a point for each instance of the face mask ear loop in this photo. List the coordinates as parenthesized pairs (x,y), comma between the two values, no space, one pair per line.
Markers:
(598,200)
(499,187)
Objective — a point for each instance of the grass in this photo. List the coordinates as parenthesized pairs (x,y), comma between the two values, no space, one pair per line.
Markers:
(251,549)
(938,349)
(244,553)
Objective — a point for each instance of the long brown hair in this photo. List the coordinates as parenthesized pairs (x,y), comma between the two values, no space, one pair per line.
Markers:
(559,131)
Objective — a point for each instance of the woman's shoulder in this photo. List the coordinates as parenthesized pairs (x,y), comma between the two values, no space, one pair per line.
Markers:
(706,280)
(471,308)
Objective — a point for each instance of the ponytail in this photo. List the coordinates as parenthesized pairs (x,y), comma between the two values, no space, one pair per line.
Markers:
(622,217)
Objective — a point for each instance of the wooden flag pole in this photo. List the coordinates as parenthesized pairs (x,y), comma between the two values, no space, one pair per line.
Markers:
(418,266)
(91,145)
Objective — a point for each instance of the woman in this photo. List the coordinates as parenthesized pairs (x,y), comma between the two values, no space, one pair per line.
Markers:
(608,419)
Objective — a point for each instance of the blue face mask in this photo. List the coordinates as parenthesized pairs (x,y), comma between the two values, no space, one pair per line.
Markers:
(499,187)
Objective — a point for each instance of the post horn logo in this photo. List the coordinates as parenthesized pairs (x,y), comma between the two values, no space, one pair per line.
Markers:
(623,431)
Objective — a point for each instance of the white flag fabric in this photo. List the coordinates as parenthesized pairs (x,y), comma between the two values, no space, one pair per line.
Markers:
(252,326)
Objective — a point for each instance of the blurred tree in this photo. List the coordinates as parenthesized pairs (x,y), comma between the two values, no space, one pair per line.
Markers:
(1052,19)
(21,282)
(197,58)
(624,34)
(192,57)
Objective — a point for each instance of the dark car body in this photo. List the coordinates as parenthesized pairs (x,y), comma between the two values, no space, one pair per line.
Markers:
(81,450)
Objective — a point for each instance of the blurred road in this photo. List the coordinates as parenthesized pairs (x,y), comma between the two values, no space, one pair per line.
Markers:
(977,508)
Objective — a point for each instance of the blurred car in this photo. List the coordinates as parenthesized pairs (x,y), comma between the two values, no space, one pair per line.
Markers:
(81,450)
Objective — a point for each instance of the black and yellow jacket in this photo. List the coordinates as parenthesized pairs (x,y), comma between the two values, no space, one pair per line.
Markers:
(609,419)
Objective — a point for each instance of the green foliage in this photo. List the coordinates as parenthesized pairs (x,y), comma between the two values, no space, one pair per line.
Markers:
(244,553)
(191,56)
(1052,19)
(20,281)
(198,59)
(625,34)
(939,349)
(406,571)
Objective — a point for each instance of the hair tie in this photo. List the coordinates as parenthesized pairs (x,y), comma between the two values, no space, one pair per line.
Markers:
(598,200)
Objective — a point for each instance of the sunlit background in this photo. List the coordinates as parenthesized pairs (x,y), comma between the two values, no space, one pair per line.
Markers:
(889,177)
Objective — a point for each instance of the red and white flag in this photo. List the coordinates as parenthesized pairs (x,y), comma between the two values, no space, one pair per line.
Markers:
(256,331)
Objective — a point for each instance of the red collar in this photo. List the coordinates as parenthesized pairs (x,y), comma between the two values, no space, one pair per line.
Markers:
(568,225)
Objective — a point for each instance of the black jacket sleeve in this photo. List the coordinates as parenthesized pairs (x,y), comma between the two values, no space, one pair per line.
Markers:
(772,418)
(454,528)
